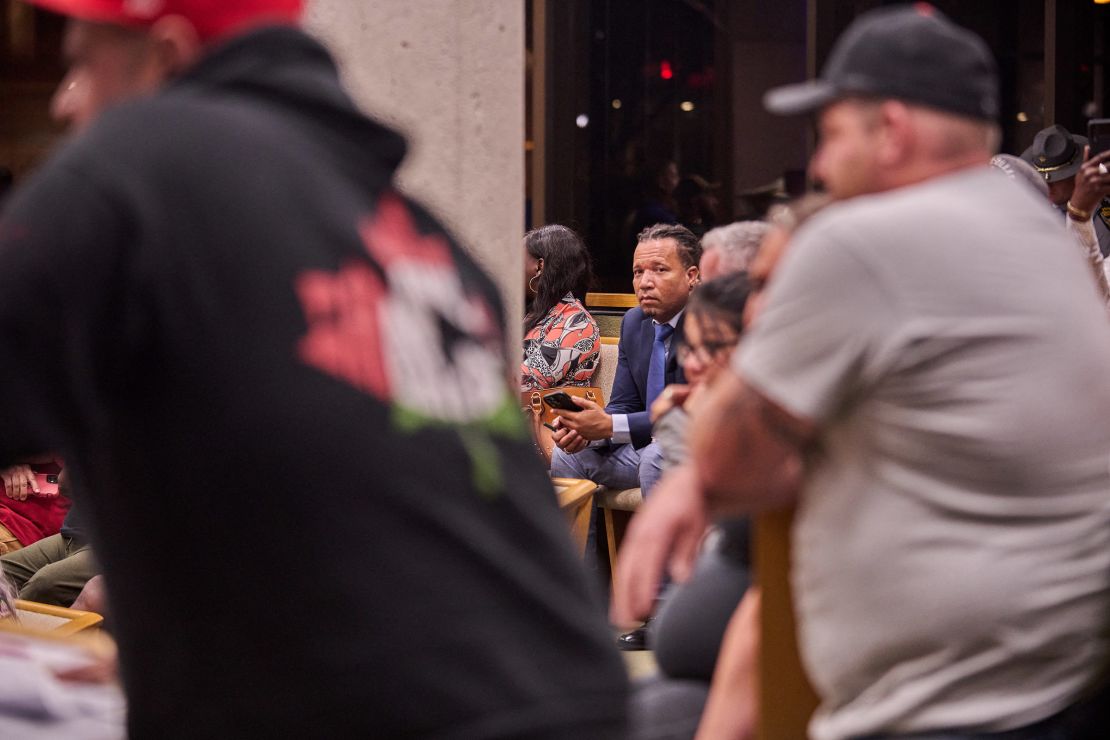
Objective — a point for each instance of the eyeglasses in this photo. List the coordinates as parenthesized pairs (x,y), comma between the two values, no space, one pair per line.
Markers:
(705,352)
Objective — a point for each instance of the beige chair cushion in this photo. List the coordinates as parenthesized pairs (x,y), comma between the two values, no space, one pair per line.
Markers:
(628,499)
(606,371)
(610,326)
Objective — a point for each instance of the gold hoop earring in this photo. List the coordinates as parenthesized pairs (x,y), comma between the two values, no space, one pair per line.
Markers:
(530,286)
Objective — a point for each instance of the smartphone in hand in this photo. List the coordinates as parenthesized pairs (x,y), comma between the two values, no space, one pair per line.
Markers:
(1098,135)
(562,401)
(47,483)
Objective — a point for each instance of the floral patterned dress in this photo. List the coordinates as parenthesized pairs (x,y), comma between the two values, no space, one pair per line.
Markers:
(563,349)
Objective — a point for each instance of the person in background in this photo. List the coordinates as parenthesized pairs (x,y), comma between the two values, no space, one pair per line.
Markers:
(655,205)
(1090,184)
(712,611)
(731,708)
(731,248)
(658,205)
(54,569)
(562,341)
(612,446)
(697,204)
(93,597)
(33,505)
(1059,155)
(687,631)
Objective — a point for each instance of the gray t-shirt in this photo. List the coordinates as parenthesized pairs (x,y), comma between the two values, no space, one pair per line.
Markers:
(952,543)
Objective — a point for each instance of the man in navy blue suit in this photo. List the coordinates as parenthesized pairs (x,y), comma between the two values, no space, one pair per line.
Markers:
(613,446)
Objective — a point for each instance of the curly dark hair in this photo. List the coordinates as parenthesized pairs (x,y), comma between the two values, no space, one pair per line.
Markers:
(689,248)
(566,269)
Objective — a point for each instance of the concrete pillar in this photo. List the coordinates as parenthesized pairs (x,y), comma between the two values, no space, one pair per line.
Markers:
(449,74)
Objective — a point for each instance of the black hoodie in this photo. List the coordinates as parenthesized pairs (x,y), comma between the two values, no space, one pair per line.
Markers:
(279,387)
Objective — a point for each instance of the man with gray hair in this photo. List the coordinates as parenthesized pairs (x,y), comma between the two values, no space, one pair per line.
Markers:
(731,248)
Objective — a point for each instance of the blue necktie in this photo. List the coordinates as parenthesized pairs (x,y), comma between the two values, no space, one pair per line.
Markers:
(657,370)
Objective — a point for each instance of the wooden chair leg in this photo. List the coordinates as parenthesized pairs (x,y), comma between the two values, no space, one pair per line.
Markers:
(611,543)
(581,524)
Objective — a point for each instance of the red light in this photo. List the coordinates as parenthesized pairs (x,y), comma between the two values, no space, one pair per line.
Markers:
(665,70)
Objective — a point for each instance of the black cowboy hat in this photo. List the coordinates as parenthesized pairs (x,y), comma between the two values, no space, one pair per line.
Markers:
(1056,153)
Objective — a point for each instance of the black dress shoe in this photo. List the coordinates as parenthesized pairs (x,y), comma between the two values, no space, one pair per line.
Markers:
(636,639)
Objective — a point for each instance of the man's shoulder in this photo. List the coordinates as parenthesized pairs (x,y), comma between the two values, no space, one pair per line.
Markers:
(632,320)
(864,214)
(977,198)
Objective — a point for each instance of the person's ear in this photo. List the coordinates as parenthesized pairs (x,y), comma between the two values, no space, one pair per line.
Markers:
(895,138)
(693,274)
(176,45)
(539,265)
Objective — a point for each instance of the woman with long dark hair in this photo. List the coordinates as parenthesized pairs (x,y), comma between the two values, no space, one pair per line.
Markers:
(561,339)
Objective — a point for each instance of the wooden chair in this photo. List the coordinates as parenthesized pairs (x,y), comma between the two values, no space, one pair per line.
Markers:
(623,301)
(786,698)
(616,505)
(576,500)
(54,620)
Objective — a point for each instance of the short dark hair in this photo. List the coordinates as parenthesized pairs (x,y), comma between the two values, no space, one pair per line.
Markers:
(689,248)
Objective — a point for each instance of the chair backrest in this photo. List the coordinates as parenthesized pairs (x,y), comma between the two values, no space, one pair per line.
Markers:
(786,698)
(606,371)
(608,310)
(55,620)
(611,300)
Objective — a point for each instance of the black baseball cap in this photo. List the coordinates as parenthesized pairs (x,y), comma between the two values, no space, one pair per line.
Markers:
(907,52)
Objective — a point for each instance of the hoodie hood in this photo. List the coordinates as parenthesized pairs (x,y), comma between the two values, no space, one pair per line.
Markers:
(286,68)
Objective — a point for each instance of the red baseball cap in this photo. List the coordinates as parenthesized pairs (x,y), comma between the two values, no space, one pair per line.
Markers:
(212,18)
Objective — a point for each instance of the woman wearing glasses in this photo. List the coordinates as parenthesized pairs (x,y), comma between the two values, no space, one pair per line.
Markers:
(687,630)
(714,322)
